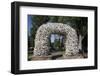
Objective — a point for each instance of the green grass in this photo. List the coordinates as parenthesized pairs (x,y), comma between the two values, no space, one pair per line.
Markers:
(30,54)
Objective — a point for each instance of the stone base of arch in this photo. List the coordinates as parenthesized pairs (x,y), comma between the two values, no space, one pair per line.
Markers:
(41,58)
(77,56)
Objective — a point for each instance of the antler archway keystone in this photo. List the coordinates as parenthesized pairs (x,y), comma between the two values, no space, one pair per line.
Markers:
(42,47)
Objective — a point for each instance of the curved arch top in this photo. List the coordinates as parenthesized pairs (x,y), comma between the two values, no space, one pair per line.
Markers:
(42,38)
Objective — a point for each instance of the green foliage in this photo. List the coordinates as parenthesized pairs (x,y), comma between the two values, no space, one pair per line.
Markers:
(36,22)
(57,44)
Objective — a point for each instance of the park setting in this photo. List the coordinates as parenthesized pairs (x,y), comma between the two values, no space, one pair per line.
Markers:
(57,37)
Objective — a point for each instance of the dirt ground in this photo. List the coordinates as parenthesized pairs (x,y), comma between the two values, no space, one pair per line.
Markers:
(58,56)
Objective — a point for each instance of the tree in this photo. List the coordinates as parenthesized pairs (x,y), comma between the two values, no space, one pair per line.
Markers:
(78,23)
(37,21)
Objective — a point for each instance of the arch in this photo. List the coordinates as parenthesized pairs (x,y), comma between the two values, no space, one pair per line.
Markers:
(42,38)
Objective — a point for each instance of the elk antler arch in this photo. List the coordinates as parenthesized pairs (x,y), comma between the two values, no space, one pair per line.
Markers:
(42,47)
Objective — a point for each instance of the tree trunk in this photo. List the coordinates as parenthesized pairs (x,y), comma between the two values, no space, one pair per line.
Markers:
(80,42)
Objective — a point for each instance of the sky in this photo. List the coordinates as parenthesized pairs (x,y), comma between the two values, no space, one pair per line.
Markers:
(52,38)
(55,36)
(29,24)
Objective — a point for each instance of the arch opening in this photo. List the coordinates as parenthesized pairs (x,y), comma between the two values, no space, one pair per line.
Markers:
(57,45)
(56,42)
